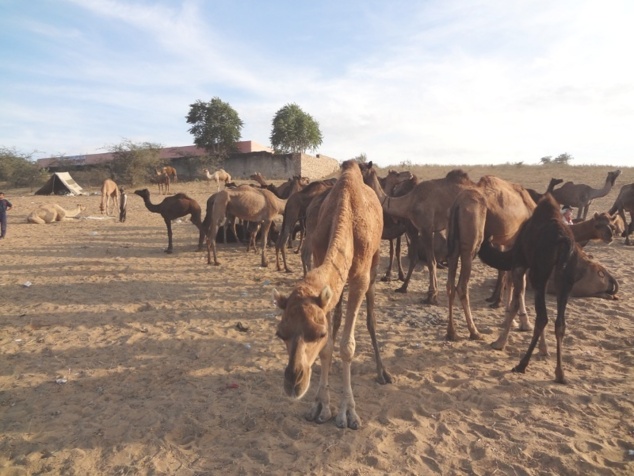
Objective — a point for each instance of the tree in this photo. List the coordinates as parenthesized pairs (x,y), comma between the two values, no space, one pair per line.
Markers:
(135,163)
(546,160)
(18,169)
(563,159)
(294,130)
(216,126)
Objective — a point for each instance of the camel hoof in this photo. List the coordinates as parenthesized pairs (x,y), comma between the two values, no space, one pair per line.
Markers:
(402,290)
(168,251)
(518,370)
(451,337)
(497,345)
(476,336)
(495,305)
(384,378)
(288,270)
(386,279)
(432,301)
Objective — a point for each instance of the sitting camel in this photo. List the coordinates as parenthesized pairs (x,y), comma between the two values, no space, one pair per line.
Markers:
(219,176)
(53,212)
(602,226)
(581,195)
(109,193)
(345,250)
(625,203)
(246,203)
(172,208)
(544,245)
(171,173)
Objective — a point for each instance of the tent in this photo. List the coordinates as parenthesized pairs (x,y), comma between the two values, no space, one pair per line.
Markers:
(60,183)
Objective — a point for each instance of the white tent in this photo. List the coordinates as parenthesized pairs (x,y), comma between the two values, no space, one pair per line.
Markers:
(60,183)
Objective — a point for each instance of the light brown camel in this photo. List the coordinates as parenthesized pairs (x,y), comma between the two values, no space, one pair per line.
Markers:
(172,208)
(218,176)
(602,226)
(109,193)
(544,246)
(494,209)
(163,181)
(53,212)
(171,173)
(625,203)
(426,206)
(345,250)
(581,195)
(246,203)
(285,190)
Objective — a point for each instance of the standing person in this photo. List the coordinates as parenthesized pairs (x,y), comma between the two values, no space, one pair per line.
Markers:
(123,205)
(566,212)
(5,205)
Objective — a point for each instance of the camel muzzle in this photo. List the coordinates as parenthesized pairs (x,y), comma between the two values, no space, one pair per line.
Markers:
(296,382)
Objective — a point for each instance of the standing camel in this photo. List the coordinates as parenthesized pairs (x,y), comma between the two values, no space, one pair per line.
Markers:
(163,181)
(172,208)
(625,203)
(536,196)
(219,176)
(245,203)
(494,209)
(109,193)
(345,250)
(426,206)
(544,246)
(284,190)
(171,173)
(581,195)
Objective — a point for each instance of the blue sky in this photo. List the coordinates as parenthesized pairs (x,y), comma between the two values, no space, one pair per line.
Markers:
(432,81)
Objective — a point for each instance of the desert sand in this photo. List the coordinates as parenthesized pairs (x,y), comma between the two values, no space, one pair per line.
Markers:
(119,359)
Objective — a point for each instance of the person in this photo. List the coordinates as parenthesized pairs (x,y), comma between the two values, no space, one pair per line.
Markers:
(5,205)
(566,212)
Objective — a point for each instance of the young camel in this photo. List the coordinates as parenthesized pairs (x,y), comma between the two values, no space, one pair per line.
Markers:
(426,206)
(245,203)
(625,203)
(171,173)
(163,181)
(345,249)
(495,209)
(172,208)
(109,193)
(53,212)
(581,195)
(544,246)
(219,176)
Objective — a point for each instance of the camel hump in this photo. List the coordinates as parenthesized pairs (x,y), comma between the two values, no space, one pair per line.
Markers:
(181,195)
(457,175)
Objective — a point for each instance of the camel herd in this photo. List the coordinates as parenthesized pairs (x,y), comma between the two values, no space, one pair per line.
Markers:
(447,221)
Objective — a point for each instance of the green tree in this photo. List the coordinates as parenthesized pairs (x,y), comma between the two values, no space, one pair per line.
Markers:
(546,160)
(19,170)
(294,130)
(563,159)
(216,126)
(134,163)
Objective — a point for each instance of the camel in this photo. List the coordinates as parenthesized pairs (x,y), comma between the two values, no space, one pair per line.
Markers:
(109,193)
(172,208)
(544,246)
(625,203)
(494,209)
(245,203)
(163,181)
(602,226)
(345,250)
(426,206)
(536,196)
(581,195)
(295,211)
(285,190)
(123,209)
(53,212)
(171,173)
(219,176)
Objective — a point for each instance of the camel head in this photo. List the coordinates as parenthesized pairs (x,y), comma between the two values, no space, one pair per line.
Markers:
(607,227)
(612,176)
(394,178)
(592,279)
(304,330)
(145,193)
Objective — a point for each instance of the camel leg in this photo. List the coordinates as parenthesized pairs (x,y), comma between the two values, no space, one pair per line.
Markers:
(399,265)
(452,267)
(320,410)
(496,297)
(382,374)
(266,226)
(388,271)
(463,293)
(511,310)
(541,319)
(302,234)
(347,416)
(427,240)
(525,326)
(412,257)
(168,223)
(211,244)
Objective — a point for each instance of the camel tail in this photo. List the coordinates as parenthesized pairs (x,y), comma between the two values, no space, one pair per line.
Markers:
(453,230)
(491,256)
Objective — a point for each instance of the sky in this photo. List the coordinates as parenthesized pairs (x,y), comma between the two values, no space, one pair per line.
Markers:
(451,82)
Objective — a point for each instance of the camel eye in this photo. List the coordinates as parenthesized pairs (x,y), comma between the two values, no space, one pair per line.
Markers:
(601,274)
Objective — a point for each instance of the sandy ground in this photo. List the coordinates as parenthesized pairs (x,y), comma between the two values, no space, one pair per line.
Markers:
(121,359)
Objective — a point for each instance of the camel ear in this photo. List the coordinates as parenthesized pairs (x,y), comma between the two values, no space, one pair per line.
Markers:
(324,297)
(279,300)
(596,215)
(370,164)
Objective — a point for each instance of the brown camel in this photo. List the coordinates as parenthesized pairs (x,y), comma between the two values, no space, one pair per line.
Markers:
(345,250)
(536,196)
(246,203)
(295,211)
(172,208)
(581,195)
(426,206)
(494,209)
(218,176)
(53,212)
(625,203)
(602,226)
(285,190)
(163,181)
(109,193)
(544,245)
(171,173)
